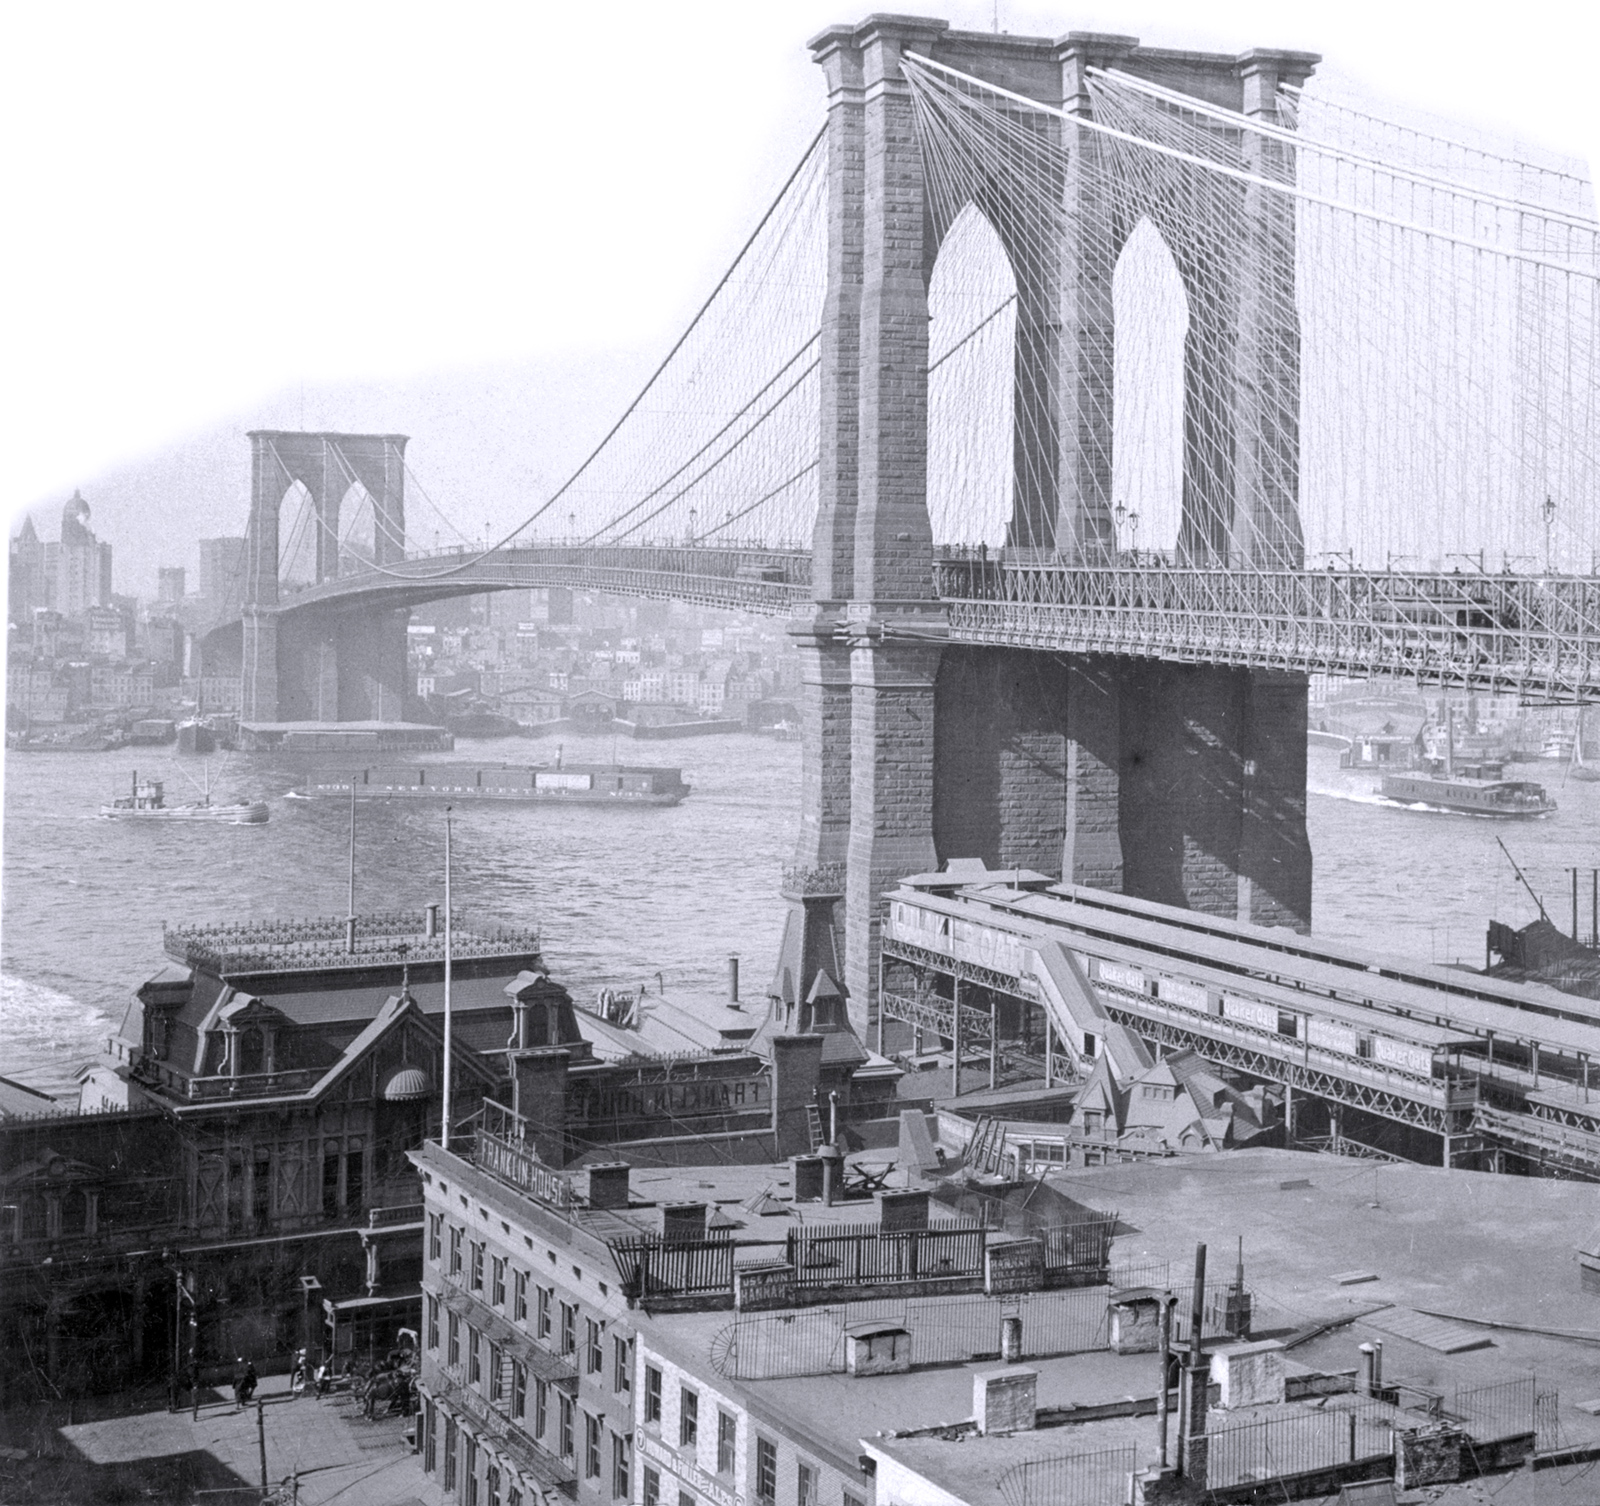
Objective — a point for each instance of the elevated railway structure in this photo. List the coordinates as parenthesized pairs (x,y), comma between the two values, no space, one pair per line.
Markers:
(1497,1075)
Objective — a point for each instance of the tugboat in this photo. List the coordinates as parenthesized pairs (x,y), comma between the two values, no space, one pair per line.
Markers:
(148,803)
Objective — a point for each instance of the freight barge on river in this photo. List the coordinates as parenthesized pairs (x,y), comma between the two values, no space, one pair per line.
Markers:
(598,784)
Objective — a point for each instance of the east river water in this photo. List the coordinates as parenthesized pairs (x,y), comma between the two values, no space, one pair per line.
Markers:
(618,894)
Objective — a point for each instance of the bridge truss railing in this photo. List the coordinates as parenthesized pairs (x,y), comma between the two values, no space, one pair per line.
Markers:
(770,580)
(1537,635)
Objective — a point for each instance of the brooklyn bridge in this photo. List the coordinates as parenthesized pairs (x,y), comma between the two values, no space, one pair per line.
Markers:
(1075,401)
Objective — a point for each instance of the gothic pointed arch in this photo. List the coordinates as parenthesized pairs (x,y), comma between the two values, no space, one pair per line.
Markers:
(972,297)
(1151,321)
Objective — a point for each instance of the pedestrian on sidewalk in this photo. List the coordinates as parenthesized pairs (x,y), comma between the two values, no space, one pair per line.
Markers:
(244,1382)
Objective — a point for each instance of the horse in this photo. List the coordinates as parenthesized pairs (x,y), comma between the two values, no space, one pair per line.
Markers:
(390,1387)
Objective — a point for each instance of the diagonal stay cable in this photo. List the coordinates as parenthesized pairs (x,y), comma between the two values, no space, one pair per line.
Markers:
(972,334)
(732,449)
(1255,180)
(755,398)
(469,562)
(761,501)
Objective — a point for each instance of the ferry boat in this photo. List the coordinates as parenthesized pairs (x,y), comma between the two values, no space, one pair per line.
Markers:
(148,803)
(1479,789)
(595,784)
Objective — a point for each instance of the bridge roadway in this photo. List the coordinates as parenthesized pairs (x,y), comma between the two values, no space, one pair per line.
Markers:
(1488,1066)
(1532,635)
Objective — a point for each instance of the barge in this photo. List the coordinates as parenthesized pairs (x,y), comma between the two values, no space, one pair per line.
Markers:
(597,784)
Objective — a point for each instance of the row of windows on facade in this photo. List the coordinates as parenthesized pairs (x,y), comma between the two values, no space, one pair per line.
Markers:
(505,1380)
(622,1348)
(457,1451)
(485,1274)
(766,1455)
(344,1178)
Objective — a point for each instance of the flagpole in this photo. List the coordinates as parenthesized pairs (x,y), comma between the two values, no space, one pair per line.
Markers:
(444,1137)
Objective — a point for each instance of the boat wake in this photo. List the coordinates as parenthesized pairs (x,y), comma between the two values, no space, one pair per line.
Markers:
(1356,798)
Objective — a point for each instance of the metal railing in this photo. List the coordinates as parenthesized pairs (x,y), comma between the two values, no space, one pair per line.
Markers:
(651,1266)
(1298,1444)
(811,1341)
(773,580)
(321,941)
(252,1084)
(1535,633)
(832,1255)
(818,880)
(1508,1408)
(1071,1479)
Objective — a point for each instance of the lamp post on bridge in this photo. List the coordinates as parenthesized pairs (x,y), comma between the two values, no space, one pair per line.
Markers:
(1549,527)
(1131,520)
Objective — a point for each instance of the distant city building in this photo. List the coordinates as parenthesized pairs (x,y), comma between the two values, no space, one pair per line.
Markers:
(222,575)
(32,587)
(163,638)
(107,633)
(170,584)
(83,563)
(215,692)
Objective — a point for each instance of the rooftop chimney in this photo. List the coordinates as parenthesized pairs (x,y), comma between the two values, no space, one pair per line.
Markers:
(608,1184)
(733,980)
(1005,1401)
(683,1223)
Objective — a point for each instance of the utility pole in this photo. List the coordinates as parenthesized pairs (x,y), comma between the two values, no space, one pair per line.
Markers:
(261,1442)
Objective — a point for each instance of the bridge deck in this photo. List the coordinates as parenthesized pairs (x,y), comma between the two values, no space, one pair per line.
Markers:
(1534,635)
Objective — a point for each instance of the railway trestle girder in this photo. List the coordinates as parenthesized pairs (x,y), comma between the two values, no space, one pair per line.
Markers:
(1416,1113)
(956,967)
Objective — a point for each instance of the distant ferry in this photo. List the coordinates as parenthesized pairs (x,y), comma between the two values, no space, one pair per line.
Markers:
(148,803)
(599,784)
(1478,789)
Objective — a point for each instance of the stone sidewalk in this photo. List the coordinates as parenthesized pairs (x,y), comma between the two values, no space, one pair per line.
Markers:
(324,1444)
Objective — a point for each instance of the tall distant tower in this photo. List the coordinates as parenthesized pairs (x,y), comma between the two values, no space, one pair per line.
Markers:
(83,563)
(29,583)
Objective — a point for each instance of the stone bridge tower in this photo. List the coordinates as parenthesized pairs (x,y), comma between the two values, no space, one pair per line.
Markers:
(1178,783)
(322,665)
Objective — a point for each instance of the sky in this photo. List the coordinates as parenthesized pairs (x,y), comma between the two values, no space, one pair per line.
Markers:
(481,224)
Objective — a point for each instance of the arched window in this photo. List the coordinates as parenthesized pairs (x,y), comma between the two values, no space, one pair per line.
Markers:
(972,316)
(1152,320)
